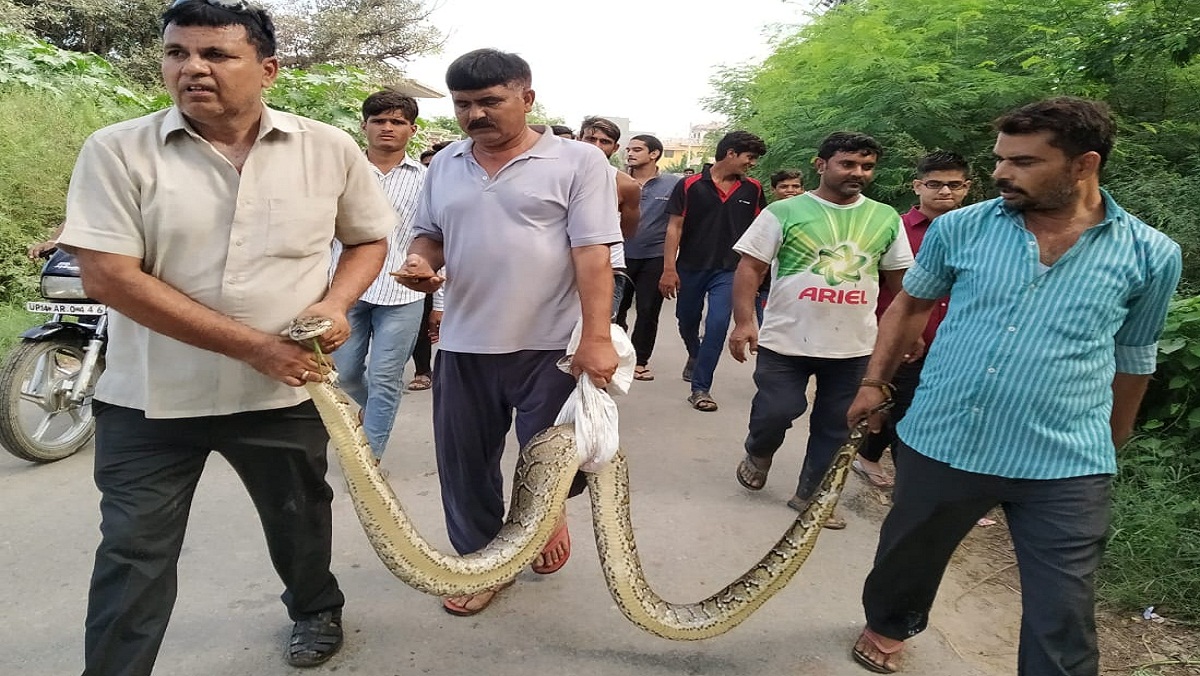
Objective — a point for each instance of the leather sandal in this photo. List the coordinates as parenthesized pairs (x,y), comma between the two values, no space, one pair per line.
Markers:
(315,639)
(751,475)
(887,666)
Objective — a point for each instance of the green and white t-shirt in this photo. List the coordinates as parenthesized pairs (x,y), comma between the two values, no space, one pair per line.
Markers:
(825,262)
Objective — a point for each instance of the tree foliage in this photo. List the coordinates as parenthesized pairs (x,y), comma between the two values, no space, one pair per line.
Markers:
(367,34)
(372,35)
(921,76)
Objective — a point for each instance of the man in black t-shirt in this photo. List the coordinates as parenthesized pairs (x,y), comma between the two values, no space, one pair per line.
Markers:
(709,212)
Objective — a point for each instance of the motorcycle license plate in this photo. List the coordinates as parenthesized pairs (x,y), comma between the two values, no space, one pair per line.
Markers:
(76,309)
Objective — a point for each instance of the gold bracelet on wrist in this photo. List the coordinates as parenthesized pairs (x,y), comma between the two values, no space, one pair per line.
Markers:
(887,388)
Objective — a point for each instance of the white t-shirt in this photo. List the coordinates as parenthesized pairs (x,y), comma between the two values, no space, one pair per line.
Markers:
(825,262)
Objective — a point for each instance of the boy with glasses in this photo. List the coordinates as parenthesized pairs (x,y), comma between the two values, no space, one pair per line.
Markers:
(942,183)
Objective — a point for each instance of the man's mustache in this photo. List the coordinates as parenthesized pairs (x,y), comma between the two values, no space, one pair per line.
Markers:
(1004,184)
(479,124)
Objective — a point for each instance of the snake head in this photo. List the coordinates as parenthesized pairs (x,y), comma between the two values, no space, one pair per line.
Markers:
(305,328)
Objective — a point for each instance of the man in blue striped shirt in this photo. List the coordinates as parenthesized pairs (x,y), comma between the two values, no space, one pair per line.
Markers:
(1057,299)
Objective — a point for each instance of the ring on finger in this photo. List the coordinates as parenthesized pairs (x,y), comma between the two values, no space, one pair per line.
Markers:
(304,376)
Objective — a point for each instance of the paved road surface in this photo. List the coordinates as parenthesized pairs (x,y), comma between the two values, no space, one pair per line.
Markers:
(696,528)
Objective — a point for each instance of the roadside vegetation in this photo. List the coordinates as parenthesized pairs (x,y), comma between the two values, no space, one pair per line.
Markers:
(922,76)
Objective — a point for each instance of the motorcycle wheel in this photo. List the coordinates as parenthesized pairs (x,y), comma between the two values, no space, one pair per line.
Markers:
(38,420)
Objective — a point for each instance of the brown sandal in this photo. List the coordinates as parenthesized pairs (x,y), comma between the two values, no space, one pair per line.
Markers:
(642,373)
(752,475)
(885,667)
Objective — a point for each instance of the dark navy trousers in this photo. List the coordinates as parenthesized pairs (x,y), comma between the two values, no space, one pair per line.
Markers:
(475,399)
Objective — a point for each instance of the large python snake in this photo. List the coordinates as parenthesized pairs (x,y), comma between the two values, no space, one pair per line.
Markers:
(540,485)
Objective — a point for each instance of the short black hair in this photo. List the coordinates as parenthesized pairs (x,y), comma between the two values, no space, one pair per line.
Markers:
(942,160)
(259,28)
(439,146)
(740,142)
(485,68)
(389,99)
(849,142)
(428,153)
(1077,125)
(562,130)
(786,175)
(652,143)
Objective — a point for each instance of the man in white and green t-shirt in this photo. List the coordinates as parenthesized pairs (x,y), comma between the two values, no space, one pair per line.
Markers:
(825,250)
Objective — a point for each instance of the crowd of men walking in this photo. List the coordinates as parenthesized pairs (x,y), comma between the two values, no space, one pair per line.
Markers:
(1015,347)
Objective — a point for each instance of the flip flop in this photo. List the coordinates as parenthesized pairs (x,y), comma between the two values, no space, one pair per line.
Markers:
(876,479)
(750,475)
(870,664)
(419,383)
(562,535)
(461,609)
(642,373)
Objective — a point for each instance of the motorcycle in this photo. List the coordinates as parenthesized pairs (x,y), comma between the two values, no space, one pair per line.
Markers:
(47,381)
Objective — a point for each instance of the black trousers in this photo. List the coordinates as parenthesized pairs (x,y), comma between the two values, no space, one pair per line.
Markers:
(1058,528)
(423,350)
(782,382)
(907,377)
(147,471)
(645,273)
(474,399)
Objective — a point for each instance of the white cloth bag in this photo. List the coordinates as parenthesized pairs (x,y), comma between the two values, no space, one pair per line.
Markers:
(592,408)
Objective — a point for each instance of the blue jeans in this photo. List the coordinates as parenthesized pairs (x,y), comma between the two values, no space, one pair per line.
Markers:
(371,363)
(782,382)
(695,286)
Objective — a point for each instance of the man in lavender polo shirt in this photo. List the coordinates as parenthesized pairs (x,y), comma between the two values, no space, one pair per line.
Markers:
(522,221)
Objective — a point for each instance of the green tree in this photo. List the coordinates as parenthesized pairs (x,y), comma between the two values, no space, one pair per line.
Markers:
(374,35)
(377,36)
(921,76)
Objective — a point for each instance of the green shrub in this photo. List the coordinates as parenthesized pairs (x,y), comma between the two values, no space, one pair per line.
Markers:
(1154,553)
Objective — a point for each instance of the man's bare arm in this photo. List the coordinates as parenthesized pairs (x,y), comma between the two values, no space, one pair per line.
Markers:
(899,328)
(629,204)
(357,267)
(746,281)
(425,257)
(1128,390)
(119,282)
(669,284)
(593,277)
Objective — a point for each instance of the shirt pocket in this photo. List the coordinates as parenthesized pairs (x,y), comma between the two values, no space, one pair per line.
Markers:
(300,227)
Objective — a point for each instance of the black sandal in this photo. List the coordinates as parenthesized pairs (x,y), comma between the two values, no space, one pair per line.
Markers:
(315,639)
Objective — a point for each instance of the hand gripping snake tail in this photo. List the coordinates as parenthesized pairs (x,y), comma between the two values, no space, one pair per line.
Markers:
(540,485)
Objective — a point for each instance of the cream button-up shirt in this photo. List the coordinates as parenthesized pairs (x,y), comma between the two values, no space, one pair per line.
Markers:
(254,246)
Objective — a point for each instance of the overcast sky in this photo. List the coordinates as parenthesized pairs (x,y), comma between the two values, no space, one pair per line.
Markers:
(647,60)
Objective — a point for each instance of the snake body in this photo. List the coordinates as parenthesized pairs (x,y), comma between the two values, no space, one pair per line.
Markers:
(540,485)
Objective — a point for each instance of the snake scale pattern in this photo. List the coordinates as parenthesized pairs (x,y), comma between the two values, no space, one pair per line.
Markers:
(540,485)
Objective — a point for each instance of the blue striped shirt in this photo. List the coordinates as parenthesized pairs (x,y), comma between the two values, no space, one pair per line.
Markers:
(1018,383)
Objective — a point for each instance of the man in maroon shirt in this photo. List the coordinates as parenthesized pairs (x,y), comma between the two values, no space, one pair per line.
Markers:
(943,180)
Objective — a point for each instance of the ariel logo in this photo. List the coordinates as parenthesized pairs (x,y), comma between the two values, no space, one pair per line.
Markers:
(841,264)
